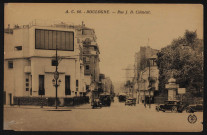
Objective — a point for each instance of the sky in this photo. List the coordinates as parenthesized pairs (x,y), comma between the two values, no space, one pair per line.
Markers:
(119,36)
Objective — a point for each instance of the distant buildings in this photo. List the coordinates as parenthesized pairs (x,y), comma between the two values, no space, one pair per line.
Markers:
(129,74)
(29,61)
(146,74)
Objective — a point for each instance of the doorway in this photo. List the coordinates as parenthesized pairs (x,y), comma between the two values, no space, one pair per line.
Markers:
(10,99)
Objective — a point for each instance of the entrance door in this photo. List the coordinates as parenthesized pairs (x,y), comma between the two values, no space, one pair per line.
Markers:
(41,85)
(67,85)
(10,99)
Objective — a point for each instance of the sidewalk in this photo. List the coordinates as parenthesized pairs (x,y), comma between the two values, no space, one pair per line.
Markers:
(47,107)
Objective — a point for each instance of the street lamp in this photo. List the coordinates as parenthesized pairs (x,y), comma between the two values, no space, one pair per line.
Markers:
(55,81)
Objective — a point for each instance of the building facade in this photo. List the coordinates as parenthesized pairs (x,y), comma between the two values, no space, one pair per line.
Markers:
(87,38)
(146,74)
(29,62)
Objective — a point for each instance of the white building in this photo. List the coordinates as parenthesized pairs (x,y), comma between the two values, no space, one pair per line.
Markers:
(29,62)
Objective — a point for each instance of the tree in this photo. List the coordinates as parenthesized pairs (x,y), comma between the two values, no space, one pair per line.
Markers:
(183,59)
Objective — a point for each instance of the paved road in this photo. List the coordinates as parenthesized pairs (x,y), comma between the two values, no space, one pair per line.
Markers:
(118,117)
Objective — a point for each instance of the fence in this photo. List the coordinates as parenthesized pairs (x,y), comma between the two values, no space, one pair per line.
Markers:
(50,101)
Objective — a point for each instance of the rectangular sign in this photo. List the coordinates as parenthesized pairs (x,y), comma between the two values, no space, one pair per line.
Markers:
(181,90)
(171,86)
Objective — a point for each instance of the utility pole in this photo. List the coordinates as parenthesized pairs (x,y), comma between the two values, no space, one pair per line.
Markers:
(149,85)
(56,78)
(138,89)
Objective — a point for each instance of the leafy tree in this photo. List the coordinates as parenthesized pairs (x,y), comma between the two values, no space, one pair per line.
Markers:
(182,59)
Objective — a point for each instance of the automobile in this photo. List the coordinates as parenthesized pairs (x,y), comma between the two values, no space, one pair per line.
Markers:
(122,97)
(105,99)
(96,103)
(131,101)
(198,106)
(171,105)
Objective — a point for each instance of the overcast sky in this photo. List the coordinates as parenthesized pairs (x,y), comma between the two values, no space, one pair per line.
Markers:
(119,35)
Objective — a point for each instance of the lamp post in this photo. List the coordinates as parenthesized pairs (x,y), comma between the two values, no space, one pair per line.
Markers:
(55,81)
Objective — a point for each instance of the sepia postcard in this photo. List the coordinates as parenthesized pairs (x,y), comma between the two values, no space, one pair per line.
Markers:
(103,67)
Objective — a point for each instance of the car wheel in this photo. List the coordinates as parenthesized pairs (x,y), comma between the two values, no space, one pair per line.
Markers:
(174,109)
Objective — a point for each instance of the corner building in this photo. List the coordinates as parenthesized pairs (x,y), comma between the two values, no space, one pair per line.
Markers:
(29,62)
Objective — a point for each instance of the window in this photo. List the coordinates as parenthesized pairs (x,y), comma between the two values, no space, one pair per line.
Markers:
(18,48)
(30,84)
(48,39)
(67,85)
(84,59)
(87,67)
(54,63)
(76,85)
(27,89)
(87,59)
(41,85)
(87,87)
(27,80)
(10,64)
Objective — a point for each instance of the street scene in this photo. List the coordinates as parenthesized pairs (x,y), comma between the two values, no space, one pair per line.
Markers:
(103,67)
(113,118)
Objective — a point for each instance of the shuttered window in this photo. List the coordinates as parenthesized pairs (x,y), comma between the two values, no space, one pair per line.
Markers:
(48,39)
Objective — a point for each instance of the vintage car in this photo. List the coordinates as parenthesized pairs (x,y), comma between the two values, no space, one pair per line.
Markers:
(195,107)
(173,106)
(130,101)
(105,99)
(96,103)
(122,97)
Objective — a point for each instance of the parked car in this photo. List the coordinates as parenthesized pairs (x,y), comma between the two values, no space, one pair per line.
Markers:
(173,106)
(130,101)
(96,103)
(195,107)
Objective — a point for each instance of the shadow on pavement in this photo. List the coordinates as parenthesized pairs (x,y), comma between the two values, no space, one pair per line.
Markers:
(57,110)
